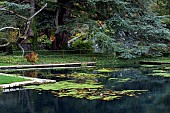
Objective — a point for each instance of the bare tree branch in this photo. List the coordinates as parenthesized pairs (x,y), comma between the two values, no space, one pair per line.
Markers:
(38,11)
(12,12)
(25,35)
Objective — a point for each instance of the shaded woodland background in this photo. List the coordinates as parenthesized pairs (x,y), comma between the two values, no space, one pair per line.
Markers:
(126,28)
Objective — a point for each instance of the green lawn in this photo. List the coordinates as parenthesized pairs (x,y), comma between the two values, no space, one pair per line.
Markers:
(59,57)
(10,79)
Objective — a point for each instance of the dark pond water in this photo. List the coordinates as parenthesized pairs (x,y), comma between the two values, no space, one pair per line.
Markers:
(155,100)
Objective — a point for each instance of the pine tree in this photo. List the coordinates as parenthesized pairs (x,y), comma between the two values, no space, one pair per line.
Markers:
(137,29)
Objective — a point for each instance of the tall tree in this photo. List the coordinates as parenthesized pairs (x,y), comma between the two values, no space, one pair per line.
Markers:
(137,29)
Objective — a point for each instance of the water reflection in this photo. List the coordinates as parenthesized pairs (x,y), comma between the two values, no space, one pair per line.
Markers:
(30,101)
(156,100)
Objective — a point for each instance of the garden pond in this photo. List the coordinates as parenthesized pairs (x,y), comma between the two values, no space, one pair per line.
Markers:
(144,89)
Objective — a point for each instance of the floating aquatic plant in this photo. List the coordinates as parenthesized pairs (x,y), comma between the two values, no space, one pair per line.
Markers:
(64,85)
(167,68)
(120,79)
(160,74)
(90,91)
(81,76)
(104,70)
(159,71)
(86,76)
(149,66)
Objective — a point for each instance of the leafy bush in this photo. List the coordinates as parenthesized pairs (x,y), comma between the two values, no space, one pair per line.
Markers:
(45,40)
(83,46)
(32,57)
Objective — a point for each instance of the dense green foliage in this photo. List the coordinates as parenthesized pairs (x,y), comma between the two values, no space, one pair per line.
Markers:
(9,19)
(137,31)
(126,28)
(162,8)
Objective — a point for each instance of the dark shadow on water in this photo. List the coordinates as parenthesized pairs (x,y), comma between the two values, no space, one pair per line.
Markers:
(30,101)
(155,100)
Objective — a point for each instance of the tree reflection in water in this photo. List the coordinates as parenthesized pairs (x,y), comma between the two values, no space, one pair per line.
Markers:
(156,100)
(30,101)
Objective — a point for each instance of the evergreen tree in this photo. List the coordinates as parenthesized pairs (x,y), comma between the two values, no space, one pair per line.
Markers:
(137,29)
(128,28)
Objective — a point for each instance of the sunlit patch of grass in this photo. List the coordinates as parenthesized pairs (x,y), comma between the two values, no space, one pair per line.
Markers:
(10,79)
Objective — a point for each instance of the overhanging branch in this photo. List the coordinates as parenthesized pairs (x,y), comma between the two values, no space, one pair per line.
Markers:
(12,12)
(25,35)
(37,11)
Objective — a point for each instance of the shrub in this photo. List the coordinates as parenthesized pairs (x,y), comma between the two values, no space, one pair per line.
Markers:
(32,57)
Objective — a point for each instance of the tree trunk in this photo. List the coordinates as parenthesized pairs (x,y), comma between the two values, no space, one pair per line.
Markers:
(56,17)
(61,17)
(32,11)
(33,31)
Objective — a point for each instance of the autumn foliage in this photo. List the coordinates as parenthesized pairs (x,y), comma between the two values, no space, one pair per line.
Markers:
(32,57)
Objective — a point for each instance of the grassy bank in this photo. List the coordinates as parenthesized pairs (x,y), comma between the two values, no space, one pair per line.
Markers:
(10,79)
(61,57)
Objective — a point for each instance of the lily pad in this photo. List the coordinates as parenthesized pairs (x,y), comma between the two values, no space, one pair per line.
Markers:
(160,74)
(120,79)
(86,76)
(159,71)
(63,85)
(111,98)
(104,70)
(89,91)
(94,97)
(167,68)
(148,66)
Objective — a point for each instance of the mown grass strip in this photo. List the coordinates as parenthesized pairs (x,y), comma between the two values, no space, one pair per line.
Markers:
(10,79)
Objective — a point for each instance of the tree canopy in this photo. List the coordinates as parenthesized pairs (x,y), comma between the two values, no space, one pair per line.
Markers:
(127,28)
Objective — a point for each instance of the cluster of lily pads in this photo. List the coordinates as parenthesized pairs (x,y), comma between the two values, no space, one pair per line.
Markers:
(85,85)
(89,90)
(158,70)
